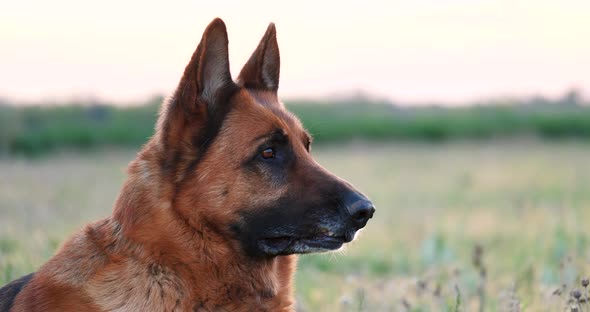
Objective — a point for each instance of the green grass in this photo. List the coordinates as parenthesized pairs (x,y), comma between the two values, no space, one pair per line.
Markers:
(526,202)
(34,130)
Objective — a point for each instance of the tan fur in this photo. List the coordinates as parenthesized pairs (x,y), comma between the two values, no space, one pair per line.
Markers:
(168,244)
(149,256)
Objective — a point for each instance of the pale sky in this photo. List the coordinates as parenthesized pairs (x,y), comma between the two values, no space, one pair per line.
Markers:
(420,50)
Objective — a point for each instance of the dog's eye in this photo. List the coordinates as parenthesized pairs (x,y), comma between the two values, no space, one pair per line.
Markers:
(268,153)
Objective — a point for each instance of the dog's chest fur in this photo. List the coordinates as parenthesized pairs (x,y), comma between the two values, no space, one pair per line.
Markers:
(131,286)
(181,279)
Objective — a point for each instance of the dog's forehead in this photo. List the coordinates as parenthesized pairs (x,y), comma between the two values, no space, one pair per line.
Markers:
(267,104)
(264,98)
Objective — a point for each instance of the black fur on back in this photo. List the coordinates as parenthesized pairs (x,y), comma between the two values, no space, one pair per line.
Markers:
(11,290)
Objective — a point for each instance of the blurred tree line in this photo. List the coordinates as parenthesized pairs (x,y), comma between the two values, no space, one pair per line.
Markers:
(36,129)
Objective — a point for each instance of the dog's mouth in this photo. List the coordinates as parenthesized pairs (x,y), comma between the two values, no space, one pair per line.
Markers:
(291,244)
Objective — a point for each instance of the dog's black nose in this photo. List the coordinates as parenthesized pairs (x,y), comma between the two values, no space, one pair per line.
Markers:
(359,208)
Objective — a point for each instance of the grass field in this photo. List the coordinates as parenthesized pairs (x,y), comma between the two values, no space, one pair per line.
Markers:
(506,223)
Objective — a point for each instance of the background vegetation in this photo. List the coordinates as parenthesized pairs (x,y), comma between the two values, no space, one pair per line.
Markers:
(523,203)
(33,130)
(479,208)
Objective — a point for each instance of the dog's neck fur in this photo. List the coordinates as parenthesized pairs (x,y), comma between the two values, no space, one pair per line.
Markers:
(187,247)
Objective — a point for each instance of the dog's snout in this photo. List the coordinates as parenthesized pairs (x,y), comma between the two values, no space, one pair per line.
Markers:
(359,208)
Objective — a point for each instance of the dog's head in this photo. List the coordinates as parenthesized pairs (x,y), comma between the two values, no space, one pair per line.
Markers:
(241,163)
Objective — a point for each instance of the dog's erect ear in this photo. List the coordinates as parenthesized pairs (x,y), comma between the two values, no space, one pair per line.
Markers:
(207,74)
(201,98)
(262,70)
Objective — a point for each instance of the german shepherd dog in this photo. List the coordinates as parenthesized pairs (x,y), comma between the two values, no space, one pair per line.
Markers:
(215,207)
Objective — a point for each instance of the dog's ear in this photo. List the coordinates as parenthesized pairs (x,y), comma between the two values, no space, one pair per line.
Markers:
(207,75)
(202,95)
(262,70)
